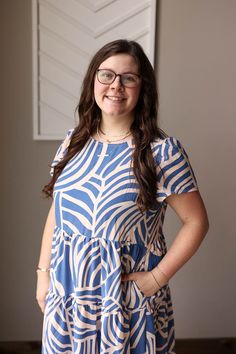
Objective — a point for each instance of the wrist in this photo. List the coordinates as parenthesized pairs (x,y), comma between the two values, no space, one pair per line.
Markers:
(42,269)
(159,276)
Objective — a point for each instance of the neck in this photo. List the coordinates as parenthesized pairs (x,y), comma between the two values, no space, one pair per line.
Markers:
(114,126)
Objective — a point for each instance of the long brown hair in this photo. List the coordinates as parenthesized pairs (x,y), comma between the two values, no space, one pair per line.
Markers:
(144,127)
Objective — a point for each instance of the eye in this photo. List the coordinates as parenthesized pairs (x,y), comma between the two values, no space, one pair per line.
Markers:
(106,75)
(130,78)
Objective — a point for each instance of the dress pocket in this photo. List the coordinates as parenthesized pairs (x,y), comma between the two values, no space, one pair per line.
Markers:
(133,297)
(137,289)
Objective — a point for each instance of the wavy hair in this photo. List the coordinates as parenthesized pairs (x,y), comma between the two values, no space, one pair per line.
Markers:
(144,127)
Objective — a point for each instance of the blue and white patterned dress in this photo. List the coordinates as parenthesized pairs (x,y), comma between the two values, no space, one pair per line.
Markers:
(99,235)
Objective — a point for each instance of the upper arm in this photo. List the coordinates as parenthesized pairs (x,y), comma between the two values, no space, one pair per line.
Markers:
(189,207)
(61,150)
(51,219)
(173,169)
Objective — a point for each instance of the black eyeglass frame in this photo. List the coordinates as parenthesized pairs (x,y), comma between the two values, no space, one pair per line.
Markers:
(120,75)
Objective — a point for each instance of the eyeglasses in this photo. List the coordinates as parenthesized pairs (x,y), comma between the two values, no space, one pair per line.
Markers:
(107,77)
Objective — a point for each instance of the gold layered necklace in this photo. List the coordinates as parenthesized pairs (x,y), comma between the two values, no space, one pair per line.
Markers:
(121,137)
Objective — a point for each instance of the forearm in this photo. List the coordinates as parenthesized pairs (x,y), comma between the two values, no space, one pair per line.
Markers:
(183,247)
(46,245)
(43,277)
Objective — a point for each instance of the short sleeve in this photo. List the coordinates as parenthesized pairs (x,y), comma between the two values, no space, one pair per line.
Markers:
(61,150)
(174,172)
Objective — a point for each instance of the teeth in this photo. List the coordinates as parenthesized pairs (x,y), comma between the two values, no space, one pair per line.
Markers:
(115,98)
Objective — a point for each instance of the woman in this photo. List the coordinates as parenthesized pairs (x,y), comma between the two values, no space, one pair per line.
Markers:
(104,268)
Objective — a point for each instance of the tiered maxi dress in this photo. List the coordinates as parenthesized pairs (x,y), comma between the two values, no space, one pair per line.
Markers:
(100,234)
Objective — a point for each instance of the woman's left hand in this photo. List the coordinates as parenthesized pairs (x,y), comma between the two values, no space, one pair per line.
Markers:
(144,280)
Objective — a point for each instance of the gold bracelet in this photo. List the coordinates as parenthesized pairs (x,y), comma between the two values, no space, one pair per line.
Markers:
(156,280)
(164,275)
(43,269)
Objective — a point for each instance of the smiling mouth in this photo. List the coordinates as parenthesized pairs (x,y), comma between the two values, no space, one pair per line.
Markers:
(115,98)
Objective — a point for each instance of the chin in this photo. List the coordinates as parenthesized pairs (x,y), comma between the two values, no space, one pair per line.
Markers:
(115,114)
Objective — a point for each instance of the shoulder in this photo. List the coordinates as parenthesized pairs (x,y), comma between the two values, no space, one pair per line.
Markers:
(67,138)
(169,141)
(65,143)
(70,133)
(61,151)
(165,148)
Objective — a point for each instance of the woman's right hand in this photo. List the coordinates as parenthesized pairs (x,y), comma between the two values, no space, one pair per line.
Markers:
(43,281)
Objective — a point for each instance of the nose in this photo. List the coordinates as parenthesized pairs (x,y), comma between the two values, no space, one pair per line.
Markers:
(117,82)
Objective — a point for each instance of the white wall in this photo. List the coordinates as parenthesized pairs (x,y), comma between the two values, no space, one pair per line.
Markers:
(197,84)
(196,72)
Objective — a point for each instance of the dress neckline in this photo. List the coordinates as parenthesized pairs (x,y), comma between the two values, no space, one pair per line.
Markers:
(127,142)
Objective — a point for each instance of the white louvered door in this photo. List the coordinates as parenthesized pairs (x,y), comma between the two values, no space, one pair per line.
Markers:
(66,33)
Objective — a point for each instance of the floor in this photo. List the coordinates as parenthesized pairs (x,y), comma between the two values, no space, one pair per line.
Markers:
(190,346)
(206,346)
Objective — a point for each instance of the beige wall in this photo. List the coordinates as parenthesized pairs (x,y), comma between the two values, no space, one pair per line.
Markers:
(25,171)
(197,84)
(196,73)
